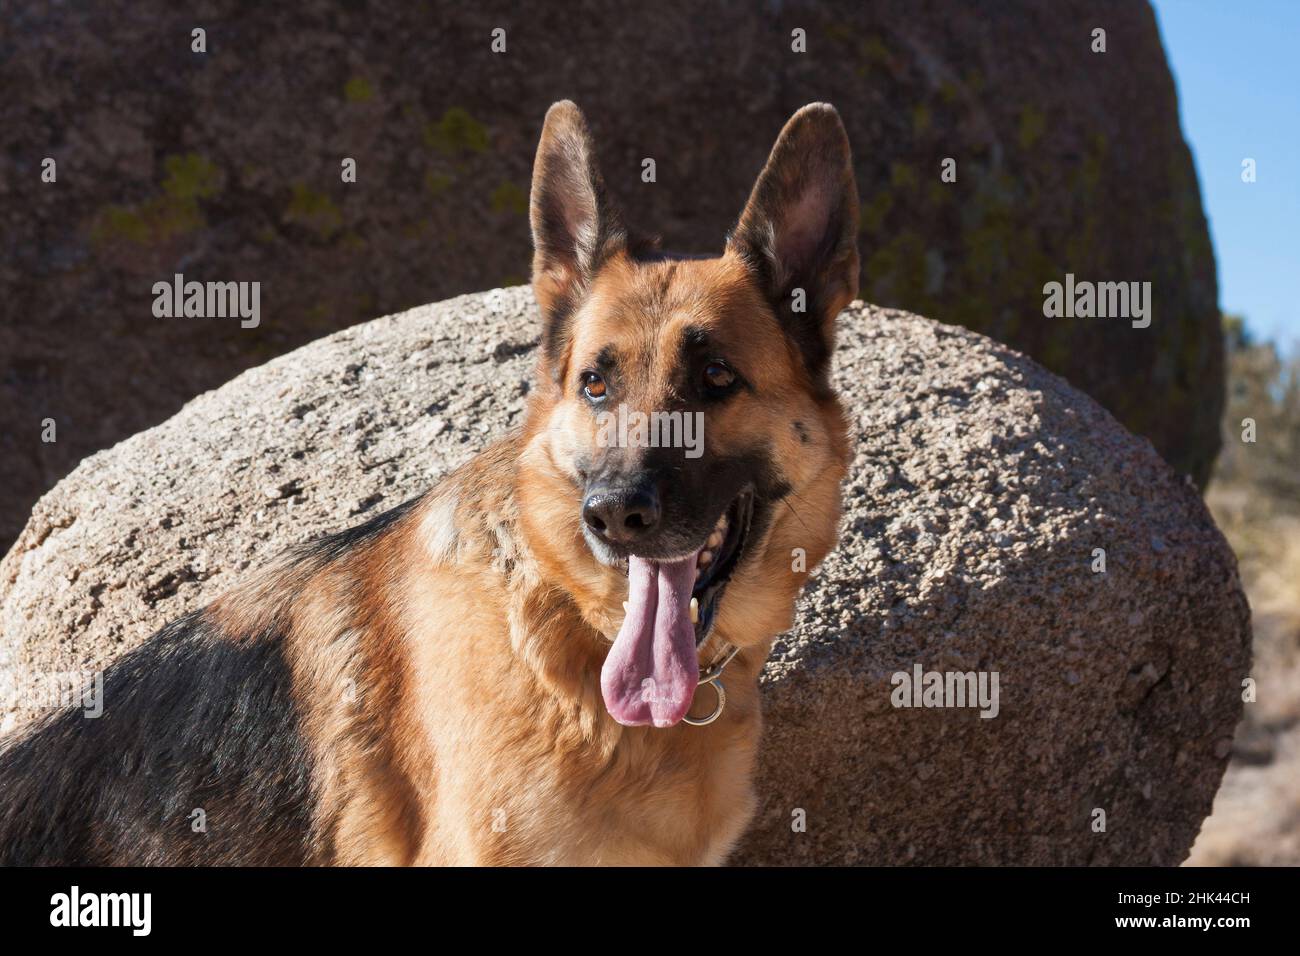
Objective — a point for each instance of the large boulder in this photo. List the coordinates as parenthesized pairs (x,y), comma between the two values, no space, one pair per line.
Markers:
(981,488)
(226,166)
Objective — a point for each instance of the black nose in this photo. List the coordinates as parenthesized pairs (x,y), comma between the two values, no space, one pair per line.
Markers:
(622,515)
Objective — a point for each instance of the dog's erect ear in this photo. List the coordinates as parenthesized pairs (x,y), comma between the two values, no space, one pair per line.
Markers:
(575,227)
(799,231)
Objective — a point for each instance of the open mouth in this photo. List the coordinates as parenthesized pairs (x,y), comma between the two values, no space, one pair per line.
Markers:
(715,564)
(651,672)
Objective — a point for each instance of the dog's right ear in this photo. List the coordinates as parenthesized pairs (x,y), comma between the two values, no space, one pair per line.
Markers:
(575,227)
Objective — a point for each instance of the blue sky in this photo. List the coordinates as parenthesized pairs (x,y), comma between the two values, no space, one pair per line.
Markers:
(1237,66)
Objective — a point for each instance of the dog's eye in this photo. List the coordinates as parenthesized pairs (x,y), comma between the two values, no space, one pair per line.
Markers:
(593,386)
(718,377)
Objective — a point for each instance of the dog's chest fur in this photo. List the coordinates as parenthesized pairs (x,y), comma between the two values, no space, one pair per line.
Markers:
(500,728)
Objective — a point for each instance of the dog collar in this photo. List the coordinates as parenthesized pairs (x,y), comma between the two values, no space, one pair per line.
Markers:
(713,677)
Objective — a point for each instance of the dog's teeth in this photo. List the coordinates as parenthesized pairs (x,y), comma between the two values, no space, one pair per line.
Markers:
(705,558)
(695,610)
(715,539)
(625,607)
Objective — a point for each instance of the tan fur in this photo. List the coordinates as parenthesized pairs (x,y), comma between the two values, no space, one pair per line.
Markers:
(476,733)
(448,670)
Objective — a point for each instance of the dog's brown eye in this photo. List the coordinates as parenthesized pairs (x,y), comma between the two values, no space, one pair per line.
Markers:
(718,376)
(593,385)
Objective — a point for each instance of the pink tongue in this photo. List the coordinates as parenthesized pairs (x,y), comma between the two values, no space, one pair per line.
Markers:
(650,673)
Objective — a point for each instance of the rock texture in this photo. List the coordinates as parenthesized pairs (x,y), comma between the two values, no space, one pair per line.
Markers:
(980,487)
(226,166)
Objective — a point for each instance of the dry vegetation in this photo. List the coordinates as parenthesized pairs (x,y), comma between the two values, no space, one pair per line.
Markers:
(1255,497)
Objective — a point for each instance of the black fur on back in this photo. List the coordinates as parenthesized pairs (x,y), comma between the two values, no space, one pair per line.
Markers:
(331,547)
(192,719)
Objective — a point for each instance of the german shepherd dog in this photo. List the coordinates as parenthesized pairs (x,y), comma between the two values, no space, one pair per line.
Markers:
(505,670)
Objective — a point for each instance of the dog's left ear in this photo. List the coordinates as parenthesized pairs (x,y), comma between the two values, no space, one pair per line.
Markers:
(798,234)
(575,226)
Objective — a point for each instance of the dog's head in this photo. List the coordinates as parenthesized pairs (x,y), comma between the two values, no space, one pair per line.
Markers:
(683,422)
